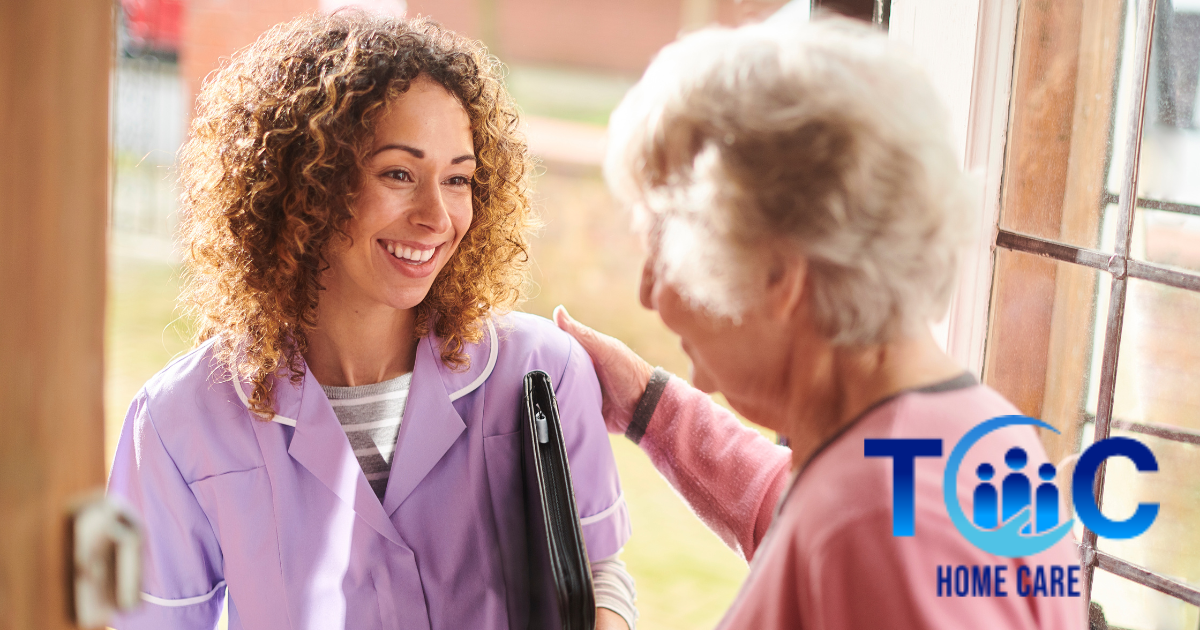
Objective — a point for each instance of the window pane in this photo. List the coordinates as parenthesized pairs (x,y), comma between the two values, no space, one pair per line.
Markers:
(1170,161)
(1043,348)
(1060,135)
(1167,238)
(1158,373)
(1170,546)
(1135,607)
(1158,382)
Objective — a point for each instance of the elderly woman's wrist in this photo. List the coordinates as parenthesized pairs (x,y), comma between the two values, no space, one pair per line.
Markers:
(644,410)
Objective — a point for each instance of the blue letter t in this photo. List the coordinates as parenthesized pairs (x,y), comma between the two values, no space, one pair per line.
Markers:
(903,454)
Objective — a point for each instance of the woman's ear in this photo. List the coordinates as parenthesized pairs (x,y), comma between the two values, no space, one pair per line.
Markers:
(786,277)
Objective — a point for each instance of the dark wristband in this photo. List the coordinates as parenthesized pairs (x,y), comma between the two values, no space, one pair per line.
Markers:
(646,406)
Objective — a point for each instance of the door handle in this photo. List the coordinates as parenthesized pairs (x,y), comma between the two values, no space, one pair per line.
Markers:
(106,552)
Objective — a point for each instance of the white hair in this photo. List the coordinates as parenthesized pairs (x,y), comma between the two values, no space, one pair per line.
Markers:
(819,138)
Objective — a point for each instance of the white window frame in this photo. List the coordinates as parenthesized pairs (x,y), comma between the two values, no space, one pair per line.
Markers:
(966,47)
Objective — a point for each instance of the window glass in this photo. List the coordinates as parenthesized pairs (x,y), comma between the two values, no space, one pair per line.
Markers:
(1169,546)
(1044,346)
(1132,606)
(1169,175)
(1158,373)
(1061,127)
(1074,93)
(1168,238)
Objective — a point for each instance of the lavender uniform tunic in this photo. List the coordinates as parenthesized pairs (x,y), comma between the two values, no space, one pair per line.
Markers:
(280,516)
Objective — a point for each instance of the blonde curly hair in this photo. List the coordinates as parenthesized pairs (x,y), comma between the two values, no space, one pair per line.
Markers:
(271,168)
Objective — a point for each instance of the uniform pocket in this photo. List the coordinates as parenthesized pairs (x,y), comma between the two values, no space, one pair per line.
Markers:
(502,456)
(240,510)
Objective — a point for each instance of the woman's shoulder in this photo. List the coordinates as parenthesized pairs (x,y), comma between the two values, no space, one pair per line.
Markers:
(849,487)
(530,342)
(512,345)
(193,409)
(515,344)
(187,376)
(524,333)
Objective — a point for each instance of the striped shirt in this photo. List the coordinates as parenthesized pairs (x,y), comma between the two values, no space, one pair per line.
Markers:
(370,415)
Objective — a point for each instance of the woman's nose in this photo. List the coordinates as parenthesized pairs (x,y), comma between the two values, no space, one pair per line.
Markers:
(430,209)
(646,290)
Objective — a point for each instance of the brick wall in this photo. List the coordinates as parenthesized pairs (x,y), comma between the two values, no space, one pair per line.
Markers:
(614,35)
(734,12)
(213,29)
(620,35)
(462,16)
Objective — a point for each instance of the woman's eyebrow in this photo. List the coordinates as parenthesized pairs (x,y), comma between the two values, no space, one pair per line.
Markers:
(418,153)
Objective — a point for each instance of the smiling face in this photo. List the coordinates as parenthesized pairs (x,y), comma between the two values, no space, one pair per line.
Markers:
(413,206)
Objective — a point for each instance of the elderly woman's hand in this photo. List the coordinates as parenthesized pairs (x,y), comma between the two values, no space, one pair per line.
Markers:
(623,374)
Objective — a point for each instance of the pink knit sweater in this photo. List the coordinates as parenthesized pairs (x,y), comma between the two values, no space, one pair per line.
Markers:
(827,559)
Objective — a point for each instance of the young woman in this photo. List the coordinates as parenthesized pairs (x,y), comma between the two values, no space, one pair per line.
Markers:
(342,449)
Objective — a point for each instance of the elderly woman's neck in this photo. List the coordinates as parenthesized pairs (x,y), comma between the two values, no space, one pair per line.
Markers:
(360,345)
(857,379)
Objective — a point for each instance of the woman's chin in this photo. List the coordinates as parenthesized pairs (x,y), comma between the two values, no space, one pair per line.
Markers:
(701,380)
(406,298)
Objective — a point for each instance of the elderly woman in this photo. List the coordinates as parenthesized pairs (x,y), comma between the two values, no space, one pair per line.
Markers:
(803,211)
(342,449)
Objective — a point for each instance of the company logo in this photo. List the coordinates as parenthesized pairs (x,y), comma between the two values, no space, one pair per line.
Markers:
(1013,515)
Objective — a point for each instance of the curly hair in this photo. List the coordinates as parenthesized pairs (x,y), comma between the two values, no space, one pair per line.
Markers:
(272,165)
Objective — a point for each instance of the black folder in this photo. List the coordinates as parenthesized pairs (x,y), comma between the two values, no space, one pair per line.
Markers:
(560,575)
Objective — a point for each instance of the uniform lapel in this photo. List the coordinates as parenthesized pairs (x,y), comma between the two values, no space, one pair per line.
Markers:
(320,445)
(431,425)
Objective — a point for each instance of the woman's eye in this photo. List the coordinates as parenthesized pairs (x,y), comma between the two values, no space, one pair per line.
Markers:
(398,175)
(459,180)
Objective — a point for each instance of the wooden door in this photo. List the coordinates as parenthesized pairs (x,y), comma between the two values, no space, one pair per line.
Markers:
(55,57)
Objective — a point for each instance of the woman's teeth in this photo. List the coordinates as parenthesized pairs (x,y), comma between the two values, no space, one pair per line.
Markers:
(410,254)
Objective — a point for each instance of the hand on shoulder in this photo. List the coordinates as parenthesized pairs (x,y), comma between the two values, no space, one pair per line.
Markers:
(622,373)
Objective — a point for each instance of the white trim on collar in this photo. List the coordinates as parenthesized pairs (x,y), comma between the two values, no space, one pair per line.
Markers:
(237,387)
(487,371)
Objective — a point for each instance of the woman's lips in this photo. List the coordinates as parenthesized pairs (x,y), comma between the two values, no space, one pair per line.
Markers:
(415,260)
(410,253)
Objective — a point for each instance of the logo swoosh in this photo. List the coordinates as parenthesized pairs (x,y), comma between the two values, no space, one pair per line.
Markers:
(1006,541)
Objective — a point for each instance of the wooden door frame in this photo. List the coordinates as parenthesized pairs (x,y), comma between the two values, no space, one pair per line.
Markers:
(55,58)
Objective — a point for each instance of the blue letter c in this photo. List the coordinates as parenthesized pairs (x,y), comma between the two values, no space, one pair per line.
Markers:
(1085,498)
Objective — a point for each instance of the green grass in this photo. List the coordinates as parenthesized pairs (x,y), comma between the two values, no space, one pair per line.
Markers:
(585,258)
(142,332)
